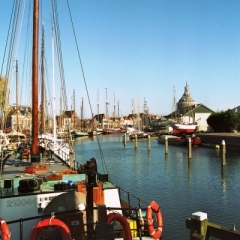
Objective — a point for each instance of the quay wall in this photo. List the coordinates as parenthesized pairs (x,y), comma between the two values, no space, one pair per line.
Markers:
(231,139)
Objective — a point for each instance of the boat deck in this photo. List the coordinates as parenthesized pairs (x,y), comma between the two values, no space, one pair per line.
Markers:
(15,170)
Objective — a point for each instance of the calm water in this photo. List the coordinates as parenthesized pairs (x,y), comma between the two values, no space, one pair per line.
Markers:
(180,186)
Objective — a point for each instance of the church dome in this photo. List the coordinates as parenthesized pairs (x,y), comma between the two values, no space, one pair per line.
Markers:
(186,100)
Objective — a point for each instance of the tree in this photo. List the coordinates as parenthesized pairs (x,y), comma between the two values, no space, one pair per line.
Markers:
(3,93)
(223,121)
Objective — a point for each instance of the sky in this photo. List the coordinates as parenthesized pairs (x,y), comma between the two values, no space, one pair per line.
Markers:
(133,50)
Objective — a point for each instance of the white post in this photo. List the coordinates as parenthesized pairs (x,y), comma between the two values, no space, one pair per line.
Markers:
(223,153)
(149,143)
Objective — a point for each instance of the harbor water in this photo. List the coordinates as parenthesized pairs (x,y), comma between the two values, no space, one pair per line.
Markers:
(181,186)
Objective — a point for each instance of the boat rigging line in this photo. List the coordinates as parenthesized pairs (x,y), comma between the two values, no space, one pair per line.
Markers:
(85,83)
(59,52)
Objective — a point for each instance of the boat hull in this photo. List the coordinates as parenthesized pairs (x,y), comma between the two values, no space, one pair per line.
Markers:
(184,129)
(113,131)
(180,141)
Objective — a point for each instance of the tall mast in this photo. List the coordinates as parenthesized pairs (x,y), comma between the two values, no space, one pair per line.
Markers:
(114,105)
(54,98)
(118,109)
(17,95)
(82,114)
(73,108)
(174,102)
(43,87)
(60,124)
(35,79)
(106,105)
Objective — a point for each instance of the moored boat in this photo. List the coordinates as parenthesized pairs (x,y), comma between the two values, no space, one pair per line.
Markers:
(139,134)
(184,128)
(79,133)
(113,131)
(180,140)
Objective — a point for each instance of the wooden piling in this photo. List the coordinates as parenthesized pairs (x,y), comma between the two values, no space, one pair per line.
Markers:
(201,229)
(136,141)
(198,228)
(223,148)
(149,143)
(125,139)
(166,145)
(189,148)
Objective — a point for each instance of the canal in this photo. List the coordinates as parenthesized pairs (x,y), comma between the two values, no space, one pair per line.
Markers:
(179,185)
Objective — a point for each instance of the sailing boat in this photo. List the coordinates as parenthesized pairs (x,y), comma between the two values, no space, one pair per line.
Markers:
(138,133)
(80,132)
(57,145)
(187,126)
(58,200)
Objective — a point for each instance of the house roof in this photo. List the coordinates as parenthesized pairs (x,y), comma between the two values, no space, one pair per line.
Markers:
(197,108)
(23,110)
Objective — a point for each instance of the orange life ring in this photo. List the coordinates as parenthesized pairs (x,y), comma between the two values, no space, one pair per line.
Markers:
(6,234)
(118,217)
(65,232)
(153,207)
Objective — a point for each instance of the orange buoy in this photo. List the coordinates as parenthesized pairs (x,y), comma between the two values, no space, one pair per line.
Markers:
(65,232)
(153,207)
(6,234)
(118,217)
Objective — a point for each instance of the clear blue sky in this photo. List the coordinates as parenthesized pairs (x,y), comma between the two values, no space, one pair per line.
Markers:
(141,49)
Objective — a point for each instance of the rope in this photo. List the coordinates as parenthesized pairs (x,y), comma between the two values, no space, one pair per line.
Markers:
(84,79)
(52,217)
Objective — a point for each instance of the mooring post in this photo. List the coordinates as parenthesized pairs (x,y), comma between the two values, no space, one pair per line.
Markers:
(199,223)
(223,148)
(149,143)
(189,148)
(125,139)
(166,144)
(136,141)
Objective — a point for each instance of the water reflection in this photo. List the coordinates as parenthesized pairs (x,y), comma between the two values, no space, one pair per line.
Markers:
(189,168)
(180,185)
(223,168)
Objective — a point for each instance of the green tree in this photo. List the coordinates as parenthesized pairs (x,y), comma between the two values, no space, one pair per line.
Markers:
(223,121)
(3,93)
(2,84)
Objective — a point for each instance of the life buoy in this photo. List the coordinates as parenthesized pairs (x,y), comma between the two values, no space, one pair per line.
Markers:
(6,234)
(153,207)
(65,232)
(118,217)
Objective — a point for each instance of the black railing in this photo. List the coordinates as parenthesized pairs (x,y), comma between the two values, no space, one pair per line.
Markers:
(141,229)
(130,198)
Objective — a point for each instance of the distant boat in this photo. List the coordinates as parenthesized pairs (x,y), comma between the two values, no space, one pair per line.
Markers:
(113,130)
(17,137)
(139,135)
(93,133)
(99,130)
(179,129)
(180,141)
(4,141)
(79,133)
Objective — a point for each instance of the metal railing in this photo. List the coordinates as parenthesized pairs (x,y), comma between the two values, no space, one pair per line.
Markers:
(140,229)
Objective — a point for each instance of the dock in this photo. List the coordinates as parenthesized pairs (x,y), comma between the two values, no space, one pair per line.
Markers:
(212,140)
